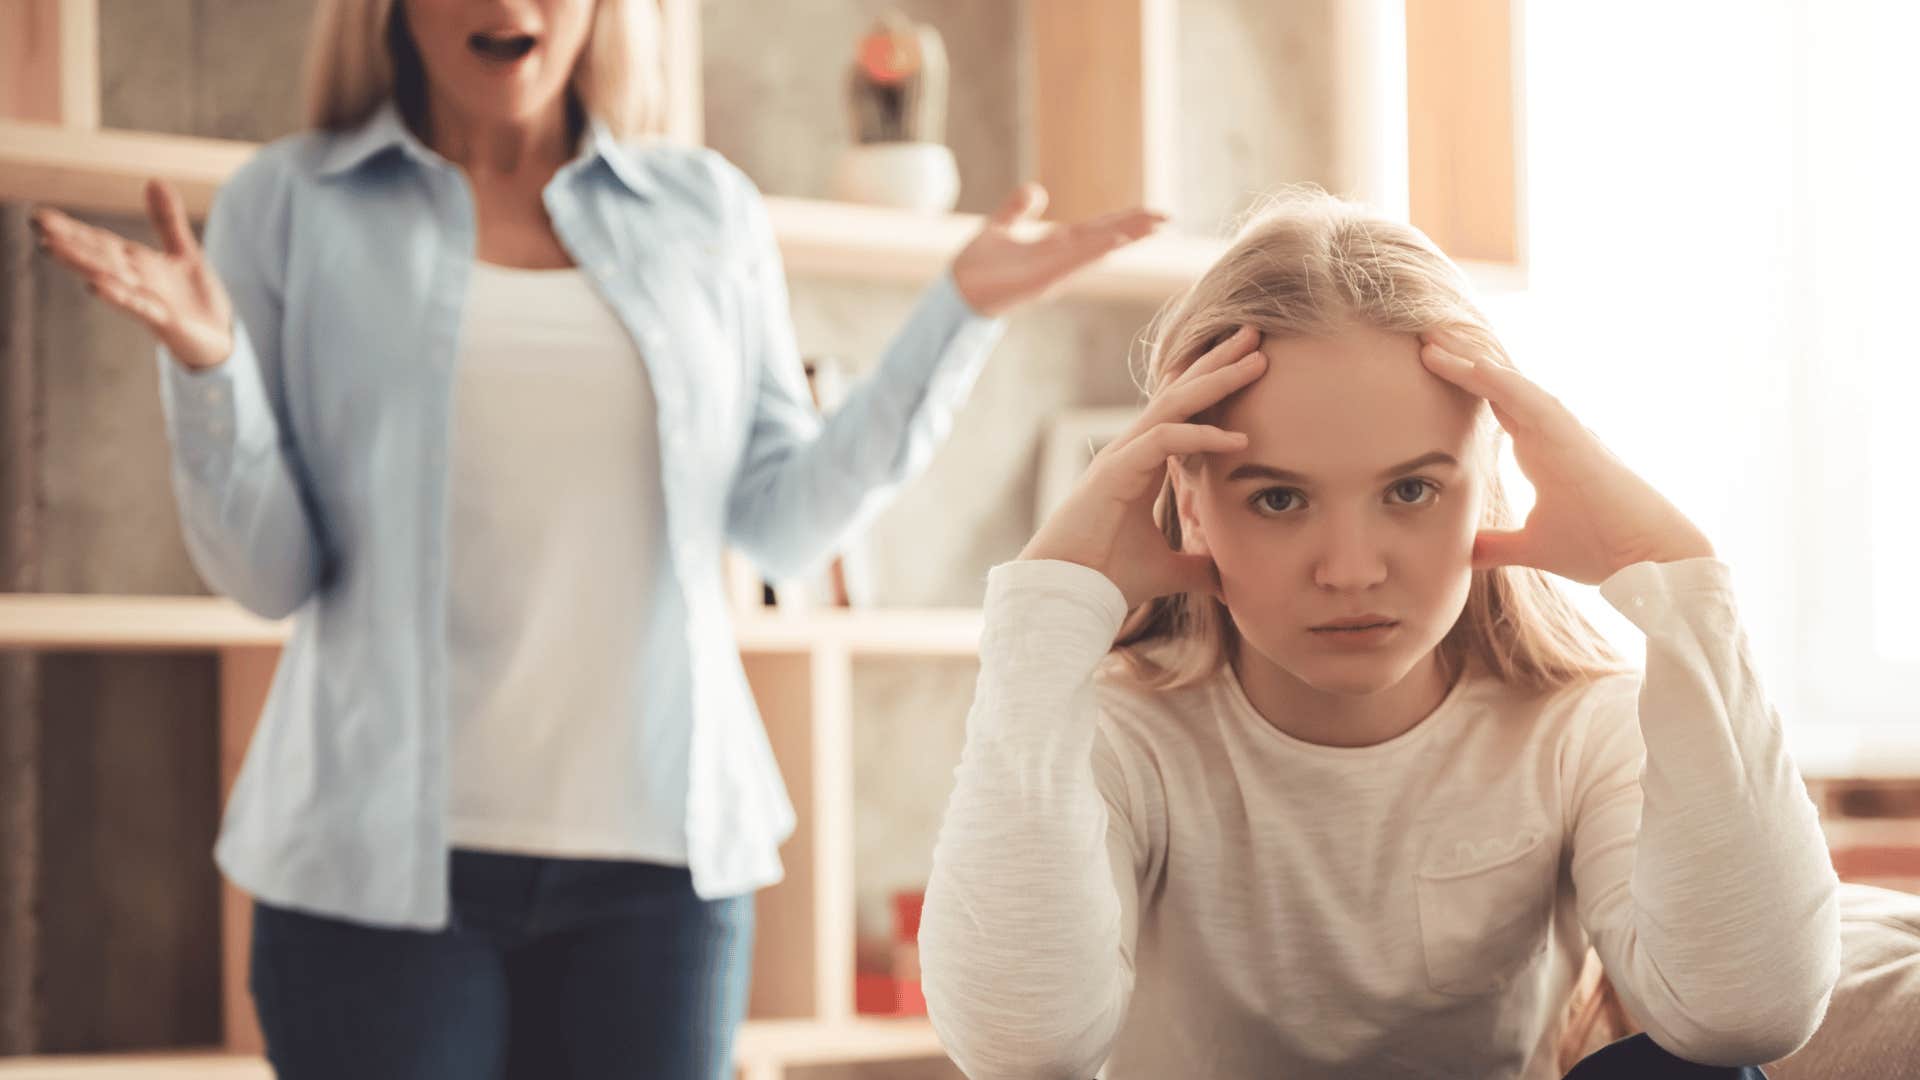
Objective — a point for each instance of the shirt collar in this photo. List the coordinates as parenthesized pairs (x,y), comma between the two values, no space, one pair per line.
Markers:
(385,130)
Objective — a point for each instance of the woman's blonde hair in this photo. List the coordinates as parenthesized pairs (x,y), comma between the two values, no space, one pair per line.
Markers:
(361,53)
(1307,264)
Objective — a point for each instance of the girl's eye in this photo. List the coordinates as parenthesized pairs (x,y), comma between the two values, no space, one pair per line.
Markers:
(1276,500)
(1412,490)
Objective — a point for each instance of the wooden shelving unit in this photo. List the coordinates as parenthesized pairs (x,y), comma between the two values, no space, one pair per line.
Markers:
(1104,119)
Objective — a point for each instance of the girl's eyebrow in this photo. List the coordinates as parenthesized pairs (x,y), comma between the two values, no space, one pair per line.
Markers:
(1268,472)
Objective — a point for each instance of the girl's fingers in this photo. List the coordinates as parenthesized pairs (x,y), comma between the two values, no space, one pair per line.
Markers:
(1506,389)
(1230,365)
(1149,452)
(1231,348)
(1194,574)
(1195,395)
(169,217)
(1496,547)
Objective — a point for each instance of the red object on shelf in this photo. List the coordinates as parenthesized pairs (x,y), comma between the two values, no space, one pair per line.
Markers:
(896,993)
(906,915)
(911,1001)
(875,993)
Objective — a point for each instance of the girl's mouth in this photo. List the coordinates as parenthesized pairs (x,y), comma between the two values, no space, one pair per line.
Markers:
(501,47)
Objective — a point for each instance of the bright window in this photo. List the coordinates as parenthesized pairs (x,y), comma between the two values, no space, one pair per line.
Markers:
(1723,232)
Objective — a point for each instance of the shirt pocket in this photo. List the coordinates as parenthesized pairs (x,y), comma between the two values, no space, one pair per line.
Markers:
(1486,902)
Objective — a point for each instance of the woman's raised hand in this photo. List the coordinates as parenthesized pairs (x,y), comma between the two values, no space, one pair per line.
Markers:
(1014,259)
(1592,516)
(174,292)
(1107,522)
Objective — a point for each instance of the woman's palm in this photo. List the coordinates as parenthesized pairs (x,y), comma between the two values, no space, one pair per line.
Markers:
(174,291)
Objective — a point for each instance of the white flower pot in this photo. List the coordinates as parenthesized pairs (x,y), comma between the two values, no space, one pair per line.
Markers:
(911,175)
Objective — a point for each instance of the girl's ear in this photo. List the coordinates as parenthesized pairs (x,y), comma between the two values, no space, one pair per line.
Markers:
(1193,540)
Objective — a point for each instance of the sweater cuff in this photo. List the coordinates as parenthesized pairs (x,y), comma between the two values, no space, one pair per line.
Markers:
(1653,595)
(1061,614)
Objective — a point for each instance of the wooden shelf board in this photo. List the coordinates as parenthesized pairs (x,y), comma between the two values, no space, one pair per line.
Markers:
(133,623)
(867,632)
(104,171)
(162,1065)
(761,1042)
(161,623)
(809,1042)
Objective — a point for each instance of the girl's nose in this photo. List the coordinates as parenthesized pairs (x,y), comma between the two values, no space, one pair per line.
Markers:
(1349,558)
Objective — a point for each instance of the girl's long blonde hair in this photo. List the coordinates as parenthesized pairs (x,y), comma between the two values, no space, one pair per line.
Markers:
(361,52)
(1307,264)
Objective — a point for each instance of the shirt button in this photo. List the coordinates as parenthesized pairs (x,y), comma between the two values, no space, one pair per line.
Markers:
(1639,601)
(211,395)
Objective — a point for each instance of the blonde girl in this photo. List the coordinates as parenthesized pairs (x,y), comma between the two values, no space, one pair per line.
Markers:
(1288,758)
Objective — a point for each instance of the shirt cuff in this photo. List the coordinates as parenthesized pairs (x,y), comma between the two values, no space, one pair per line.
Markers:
(1650,593)
(215,414)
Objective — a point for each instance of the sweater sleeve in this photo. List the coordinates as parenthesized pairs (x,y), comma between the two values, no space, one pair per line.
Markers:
(1031,911)
(1699,864)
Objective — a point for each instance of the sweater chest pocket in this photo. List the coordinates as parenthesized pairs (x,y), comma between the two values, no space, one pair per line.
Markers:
(1486,904)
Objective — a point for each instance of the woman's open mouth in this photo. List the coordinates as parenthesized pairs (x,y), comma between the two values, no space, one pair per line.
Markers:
(501,46)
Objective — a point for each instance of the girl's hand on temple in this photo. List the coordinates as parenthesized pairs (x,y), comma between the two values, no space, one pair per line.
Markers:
(1107,522)
(1014,258)
(174,292)
(1592,516)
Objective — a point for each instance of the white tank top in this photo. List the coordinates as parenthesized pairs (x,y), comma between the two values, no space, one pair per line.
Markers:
(557,526)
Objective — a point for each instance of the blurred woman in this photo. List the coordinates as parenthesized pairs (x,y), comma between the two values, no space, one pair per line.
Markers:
(475,380)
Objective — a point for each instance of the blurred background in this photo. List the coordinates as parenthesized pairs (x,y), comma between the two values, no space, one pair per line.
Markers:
(1692,222)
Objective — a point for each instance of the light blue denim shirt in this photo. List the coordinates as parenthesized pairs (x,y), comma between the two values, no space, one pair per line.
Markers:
(311,474)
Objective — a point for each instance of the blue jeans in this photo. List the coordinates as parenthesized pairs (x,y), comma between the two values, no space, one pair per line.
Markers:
(1640,1058)
(548,968)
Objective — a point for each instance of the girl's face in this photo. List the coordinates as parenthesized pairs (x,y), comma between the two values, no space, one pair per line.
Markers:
(1358,495)
(499,60)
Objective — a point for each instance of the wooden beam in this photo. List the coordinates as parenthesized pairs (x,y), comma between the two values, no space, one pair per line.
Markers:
(107,171)
(804,933)
(1463,145)
(1103,94)
(246,674)
(50,62)
(783,944)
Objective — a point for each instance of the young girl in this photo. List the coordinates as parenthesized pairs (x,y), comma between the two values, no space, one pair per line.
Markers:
(1288,759)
